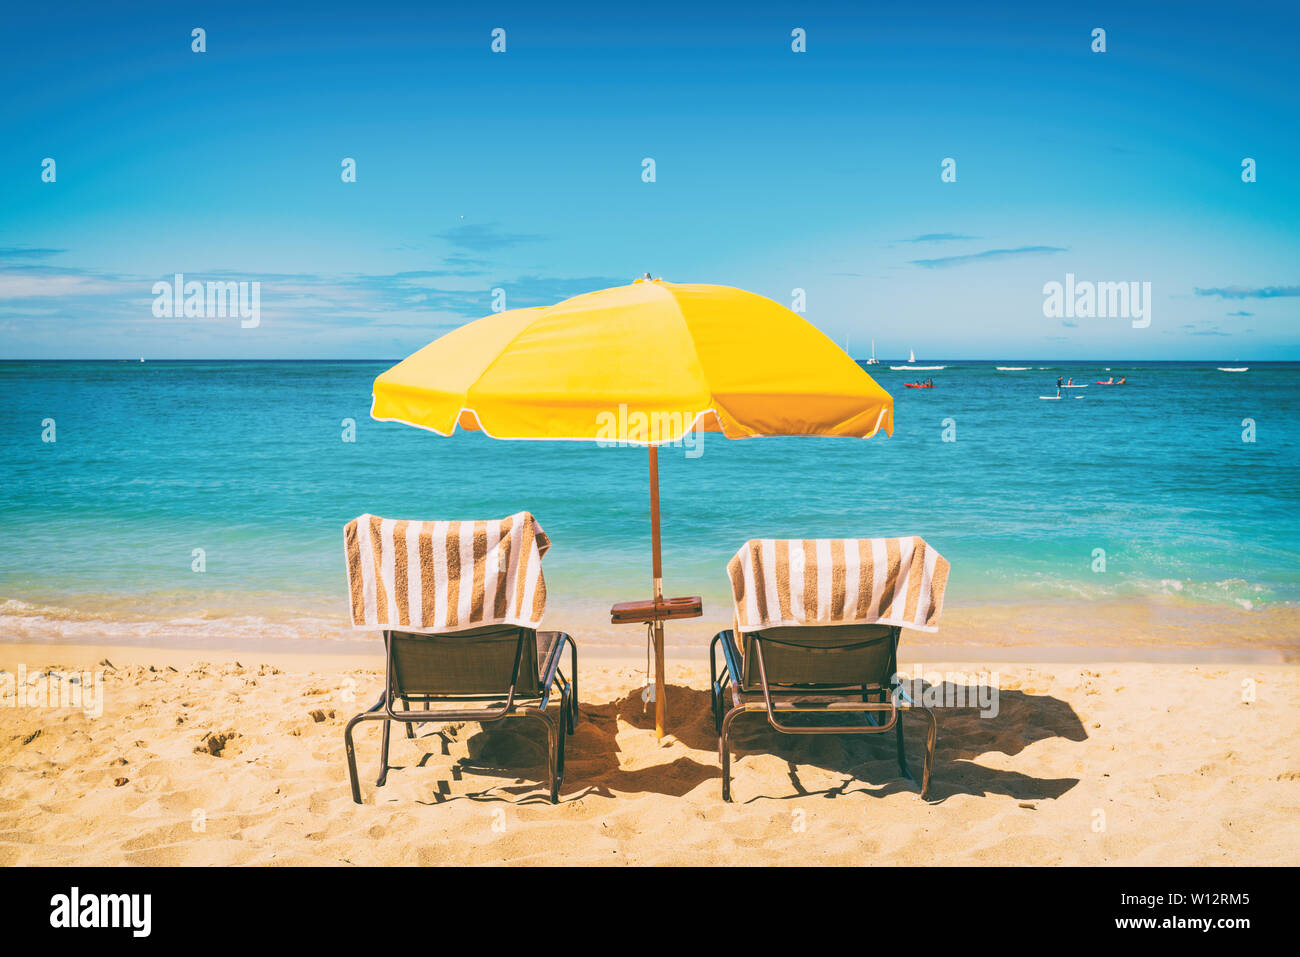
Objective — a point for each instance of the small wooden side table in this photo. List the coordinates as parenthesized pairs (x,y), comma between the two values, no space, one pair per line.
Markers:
(655,611)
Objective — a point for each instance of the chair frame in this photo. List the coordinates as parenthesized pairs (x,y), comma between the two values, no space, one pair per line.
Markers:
(845,698)
(528,706)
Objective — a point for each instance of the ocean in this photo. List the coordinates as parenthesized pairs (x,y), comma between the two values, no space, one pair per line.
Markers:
(1143,492)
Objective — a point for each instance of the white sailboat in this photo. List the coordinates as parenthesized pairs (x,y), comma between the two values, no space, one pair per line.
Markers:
(873,361)
(911,364)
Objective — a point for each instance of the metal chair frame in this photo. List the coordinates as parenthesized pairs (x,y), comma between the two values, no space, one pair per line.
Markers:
(772,700)
(530,706)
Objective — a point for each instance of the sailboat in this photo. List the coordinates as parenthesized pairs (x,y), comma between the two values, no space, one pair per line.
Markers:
(873,361)
(911,363)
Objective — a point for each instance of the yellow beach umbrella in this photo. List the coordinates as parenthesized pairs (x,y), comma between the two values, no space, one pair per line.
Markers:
(637,364)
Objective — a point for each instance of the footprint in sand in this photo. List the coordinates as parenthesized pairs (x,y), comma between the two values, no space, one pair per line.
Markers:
(217,743)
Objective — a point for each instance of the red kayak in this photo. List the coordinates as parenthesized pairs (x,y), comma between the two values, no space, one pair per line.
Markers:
(917,385)
(1112,381)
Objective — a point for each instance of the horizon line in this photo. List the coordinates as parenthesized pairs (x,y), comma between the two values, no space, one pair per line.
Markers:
(138,360)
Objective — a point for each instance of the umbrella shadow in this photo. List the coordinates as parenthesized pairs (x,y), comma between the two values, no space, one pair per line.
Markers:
(516,750)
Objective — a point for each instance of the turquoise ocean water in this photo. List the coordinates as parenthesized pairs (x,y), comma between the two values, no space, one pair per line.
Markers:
(245,460)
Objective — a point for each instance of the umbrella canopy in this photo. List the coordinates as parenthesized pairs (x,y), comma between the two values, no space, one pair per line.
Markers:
(682,355)
(638,364)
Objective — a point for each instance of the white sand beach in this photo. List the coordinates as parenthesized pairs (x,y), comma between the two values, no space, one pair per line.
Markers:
(238,759)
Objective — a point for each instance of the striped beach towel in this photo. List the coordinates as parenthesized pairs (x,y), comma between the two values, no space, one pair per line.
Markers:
(438,577)
(837,581)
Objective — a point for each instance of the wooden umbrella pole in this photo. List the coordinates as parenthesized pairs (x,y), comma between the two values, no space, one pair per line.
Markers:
(661,710)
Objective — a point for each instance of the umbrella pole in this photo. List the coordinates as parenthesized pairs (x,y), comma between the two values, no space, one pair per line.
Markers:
(656,562)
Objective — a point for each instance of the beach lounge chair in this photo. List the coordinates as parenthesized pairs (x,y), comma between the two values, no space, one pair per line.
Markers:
(818,624)
(458,604)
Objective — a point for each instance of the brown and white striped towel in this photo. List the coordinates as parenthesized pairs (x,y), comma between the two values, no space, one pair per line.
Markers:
(438,577)
(837,581)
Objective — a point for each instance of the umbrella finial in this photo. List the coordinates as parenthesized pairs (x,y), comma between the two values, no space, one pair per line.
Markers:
(647,276)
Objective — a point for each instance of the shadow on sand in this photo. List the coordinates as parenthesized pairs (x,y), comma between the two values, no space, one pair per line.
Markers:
(515,750)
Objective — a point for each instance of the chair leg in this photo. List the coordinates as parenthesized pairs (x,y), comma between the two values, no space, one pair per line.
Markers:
(383,754)
(724,750)
(931,738)
(558,778)
(410,726)
(352,756)
(350,748)
(902,750)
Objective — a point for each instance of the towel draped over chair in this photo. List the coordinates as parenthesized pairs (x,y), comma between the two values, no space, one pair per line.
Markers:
(837,581)
(440,577)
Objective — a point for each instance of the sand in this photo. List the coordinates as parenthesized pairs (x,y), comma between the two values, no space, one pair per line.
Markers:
(239,760)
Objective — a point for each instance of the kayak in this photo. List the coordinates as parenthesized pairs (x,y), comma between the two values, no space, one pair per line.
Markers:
(915,385)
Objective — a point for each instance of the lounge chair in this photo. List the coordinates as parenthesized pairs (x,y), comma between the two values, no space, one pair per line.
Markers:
(492,673)
(825,651)
(458,605)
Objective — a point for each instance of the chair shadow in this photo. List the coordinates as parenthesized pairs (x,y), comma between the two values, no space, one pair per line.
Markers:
(515,749)
(965,733)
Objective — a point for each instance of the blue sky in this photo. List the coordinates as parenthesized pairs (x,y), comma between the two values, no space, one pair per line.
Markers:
(775,170)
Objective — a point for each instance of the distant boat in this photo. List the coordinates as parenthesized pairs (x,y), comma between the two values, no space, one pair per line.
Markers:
(873,361)
(1012,368)
(911,364)
(1233,368)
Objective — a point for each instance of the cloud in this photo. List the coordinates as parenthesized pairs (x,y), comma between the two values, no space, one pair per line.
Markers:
(1241,313)
(485,237)
(1251,292)
(936,238)
(21,283)
(944,262)
(421,302)
(22,252)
